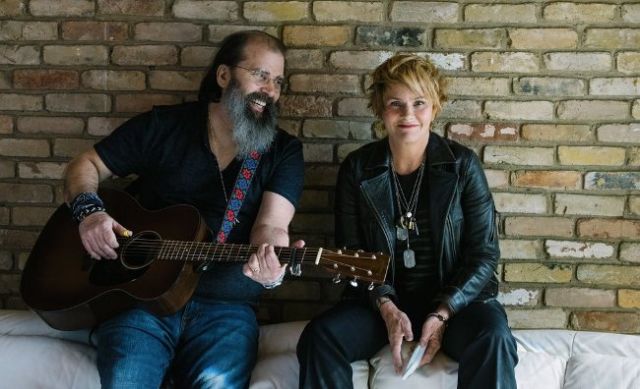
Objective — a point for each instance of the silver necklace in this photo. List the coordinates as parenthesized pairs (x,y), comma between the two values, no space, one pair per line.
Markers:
(224,188)
(408,209)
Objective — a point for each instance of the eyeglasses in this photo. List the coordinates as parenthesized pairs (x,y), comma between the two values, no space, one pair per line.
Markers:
(263,77)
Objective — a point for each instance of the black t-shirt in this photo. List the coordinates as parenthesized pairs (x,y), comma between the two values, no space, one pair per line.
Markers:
(168,149)
(418,286)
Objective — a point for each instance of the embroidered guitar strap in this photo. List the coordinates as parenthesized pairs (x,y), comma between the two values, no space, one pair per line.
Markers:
(238,194)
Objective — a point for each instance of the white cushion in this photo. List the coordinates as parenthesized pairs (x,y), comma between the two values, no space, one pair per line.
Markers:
(442,372)
(277,366)
(604,343)
(42,362)
(15,322)
(602,372)
(543,355)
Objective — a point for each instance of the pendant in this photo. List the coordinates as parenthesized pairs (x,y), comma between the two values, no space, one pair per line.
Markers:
(409,257)
(402,233)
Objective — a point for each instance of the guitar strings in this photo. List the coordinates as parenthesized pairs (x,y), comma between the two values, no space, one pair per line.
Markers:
(153,246)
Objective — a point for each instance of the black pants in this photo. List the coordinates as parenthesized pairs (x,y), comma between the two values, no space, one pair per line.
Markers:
(477,337)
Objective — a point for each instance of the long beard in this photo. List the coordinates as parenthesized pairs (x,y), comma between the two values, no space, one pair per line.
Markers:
(251,131)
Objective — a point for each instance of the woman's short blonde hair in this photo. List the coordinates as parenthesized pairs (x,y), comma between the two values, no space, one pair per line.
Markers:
(416,73)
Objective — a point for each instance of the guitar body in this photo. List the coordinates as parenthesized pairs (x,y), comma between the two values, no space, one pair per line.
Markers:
(69,290)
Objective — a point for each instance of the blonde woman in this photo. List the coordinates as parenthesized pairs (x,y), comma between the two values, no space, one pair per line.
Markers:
(425,200)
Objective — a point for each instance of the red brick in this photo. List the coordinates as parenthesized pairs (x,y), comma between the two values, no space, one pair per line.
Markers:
(131,7)
(95,31)
(626,322)
(547,179)
(6,124)
(45,79)
(305,106)
(609,229)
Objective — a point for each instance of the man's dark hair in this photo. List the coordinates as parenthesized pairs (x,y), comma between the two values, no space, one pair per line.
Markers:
(231,53)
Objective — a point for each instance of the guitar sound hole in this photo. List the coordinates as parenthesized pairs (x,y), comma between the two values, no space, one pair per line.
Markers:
(135,257)
(141,250)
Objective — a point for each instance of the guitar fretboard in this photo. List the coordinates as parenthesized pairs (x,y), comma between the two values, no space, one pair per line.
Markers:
(218,252)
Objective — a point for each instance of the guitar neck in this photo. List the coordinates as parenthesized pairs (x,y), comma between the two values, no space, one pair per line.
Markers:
(229,252)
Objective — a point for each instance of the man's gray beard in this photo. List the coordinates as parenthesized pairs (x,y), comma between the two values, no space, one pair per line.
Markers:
(250,132)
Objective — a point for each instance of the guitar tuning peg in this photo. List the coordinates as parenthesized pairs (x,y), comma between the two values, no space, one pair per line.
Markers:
(360,251)
(339,251)
(336,279)
(371,286)
(354,282)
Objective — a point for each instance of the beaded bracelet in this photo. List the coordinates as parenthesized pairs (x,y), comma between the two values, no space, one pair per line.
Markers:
(84,205)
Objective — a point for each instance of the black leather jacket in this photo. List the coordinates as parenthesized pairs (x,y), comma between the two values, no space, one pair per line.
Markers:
(462,216)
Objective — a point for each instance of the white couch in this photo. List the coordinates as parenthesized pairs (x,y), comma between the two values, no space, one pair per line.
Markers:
(32,355)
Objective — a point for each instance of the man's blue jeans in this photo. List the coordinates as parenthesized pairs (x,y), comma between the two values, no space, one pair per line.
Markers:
(204,345)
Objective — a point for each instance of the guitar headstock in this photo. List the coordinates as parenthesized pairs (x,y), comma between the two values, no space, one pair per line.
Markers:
(356,265)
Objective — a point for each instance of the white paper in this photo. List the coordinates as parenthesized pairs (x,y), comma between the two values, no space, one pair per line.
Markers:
(414,361)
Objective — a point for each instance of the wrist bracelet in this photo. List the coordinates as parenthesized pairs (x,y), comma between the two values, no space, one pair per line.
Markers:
(438,316)
(273,284)
(84,205)
(382,301)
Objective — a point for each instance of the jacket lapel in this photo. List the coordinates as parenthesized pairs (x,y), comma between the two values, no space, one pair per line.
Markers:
(377,190)
(443,180)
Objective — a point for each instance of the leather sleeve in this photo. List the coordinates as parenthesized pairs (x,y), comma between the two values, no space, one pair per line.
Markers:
(347,227)
(478,251)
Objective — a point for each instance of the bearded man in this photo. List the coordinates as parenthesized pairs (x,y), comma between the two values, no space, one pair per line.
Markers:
(197,153)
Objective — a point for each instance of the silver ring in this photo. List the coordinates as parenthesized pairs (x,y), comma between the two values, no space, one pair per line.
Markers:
(255,269)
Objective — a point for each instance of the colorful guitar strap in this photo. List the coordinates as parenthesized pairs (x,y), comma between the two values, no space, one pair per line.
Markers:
(238,194)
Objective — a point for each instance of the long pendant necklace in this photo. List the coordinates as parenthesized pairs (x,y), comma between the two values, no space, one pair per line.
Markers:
(408,209)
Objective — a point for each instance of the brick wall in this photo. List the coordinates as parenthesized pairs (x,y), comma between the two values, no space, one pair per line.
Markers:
(545,92)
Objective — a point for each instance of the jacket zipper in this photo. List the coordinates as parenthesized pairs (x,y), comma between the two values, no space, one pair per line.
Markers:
(381,222)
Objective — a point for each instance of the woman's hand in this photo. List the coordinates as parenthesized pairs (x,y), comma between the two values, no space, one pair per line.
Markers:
(398,327)
(432,333)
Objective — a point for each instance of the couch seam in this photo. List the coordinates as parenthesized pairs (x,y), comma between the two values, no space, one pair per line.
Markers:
(573,341)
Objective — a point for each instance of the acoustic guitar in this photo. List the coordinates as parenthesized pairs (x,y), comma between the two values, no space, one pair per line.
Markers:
(156,267)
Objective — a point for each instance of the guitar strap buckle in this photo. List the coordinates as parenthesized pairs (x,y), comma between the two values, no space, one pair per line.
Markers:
(295,267)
